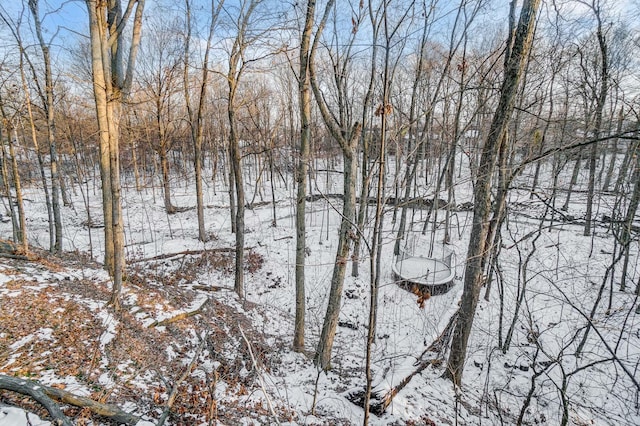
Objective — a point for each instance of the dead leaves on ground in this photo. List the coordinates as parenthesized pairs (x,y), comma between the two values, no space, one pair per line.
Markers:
(54,329)
(54,322)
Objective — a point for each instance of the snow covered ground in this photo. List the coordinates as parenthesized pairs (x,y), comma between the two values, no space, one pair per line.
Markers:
(562,277)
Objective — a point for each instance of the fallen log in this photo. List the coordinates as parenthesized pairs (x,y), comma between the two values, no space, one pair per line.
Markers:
(35,391)
(110,411)
(186,253)
(181,253)
(210,287)
(47,397)
(179,317)
(417,202)
(15,256)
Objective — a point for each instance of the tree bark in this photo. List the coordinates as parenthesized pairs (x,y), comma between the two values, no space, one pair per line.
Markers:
(347,137)
(111,85)
(323,353)
(240,203)
(304,87)
(22,232)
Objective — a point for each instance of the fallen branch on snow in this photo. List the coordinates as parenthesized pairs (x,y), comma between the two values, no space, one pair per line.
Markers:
(379,403)
(179,317)
(174,391)
(16,256)
(255,365)
(187,253)
(210,287)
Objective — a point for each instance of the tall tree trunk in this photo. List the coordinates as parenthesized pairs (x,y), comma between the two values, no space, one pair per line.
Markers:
(233,79)
(36,146)
(196,117)
(19,223)
(116,205)
(323,353)
(366,152)
(383,111)
(51,127)
(602,97)
(232,191)
(100,95)
(238,185)
(477,251)
(22,234)
(236,157)
(614,153)
(166,185)
(347,135)
(304,87)
(15,226)
(111,85)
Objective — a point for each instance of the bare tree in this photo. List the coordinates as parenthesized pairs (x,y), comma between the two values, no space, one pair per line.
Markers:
(383,111)
(196,116)
(600,104)
(111,85)
(160,63)
(519,45)
(49,109)
(237,65)
(347,135)
(304,87)
(419,128)
(55,225)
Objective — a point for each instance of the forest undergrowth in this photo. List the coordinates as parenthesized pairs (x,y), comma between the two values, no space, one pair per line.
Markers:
(167,341)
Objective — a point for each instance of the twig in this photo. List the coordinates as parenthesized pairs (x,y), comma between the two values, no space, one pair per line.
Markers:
(255,365)
(174,391)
